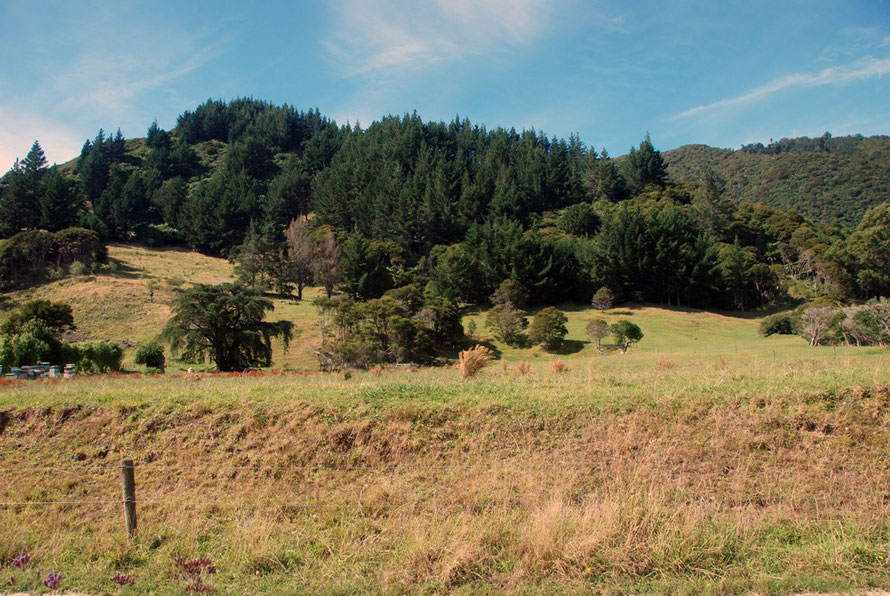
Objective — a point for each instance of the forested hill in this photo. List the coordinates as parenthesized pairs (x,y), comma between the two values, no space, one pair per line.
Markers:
(455,208)
(823,179)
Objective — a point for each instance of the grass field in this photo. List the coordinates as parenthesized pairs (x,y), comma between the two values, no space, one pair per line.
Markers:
(706,460)
(117,305)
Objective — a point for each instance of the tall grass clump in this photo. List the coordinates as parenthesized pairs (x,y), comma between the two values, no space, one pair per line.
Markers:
(472,361)
(559,367)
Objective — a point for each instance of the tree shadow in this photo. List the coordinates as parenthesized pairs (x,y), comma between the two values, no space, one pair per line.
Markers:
(571,346)
(469,343)
(117,268)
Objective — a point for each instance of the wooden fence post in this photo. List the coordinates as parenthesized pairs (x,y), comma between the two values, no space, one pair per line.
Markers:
(128,482)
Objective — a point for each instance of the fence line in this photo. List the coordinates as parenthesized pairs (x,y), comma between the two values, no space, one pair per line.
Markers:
(760,502)
(753,457)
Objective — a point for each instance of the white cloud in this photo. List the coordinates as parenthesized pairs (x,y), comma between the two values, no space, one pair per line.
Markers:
(392,36)
(835,75)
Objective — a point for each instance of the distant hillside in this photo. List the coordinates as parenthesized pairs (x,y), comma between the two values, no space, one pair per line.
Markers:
(822,179)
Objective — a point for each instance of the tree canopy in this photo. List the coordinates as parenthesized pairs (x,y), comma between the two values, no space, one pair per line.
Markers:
(225,324)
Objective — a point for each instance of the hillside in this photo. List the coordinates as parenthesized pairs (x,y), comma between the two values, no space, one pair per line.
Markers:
(117,304)
(841,183)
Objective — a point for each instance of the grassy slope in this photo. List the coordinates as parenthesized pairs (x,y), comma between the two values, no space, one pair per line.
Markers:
(722,462)
(719,473)
(116,306)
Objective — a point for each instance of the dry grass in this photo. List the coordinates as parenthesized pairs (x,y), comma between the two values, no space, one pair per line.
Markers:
(523,368)
(471,361)
(558,367)
(665,363)
(695,496)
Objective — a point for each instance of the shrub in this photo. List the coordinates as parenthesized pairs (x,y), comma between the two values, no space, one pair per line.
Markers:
(506,322)
(151,355)
(548,328)
(101,356)
(28,257)
(78,268)
(471,328)
(474,360)
(603,299)
(56,316)
(779,324)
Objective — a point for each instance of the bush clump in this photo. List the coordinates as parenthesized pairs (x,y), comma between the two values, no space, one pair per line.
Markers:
(101,357)
(777,324)
(151,355)
(548,328)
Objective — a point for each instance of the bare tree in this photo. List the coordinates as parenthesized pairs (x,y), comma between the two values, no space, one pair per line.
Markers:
(815,323)
(301,254)
(327,264)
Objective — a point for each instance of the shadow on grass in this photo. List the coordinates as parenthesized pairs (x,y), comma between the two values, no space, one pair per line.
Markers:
(117,268)
(570,346)
(469,343)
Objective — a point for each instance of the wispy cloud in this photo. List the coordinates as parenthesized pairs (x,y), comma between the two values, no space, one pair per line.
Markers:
(96,72)
(392,36)
(835,75)
(95,82)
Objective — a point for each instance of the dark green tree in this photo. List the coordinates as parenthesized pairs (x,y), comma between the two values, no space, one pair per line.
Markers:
(605,182)
(625,333)
(60,207)
(363,267)
(225,324)
(548,328)
(714,210)
(644,166)
(870,246)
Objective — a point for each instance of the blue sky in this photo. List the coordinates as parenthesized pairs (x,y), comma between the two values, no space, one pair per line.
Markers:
(720,73)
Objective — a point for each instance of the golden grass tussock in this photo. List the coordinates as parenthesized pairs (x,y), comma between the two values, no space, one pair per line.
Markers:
(665,364)
(471,361)
(559,367)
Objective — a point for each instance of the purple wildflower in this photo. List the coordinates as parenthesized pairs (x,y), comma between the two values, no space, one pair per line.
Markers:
(124,579)
(53,581)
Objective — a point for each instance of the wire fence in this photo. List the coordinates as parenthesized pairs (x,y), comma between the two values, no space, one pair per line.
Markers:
(741,464)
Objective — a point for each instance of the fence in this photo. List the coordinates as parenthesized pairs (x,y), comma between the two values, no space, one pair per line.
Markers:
(128,501)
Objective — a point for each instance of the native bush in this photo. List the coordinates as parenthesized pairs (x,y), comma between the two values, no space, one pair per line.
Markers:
(151,355)
(101,357)
(548,328)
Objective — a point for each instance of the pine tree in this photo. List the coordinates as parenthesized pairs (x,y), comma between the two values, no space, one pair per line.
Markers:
(644,166)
